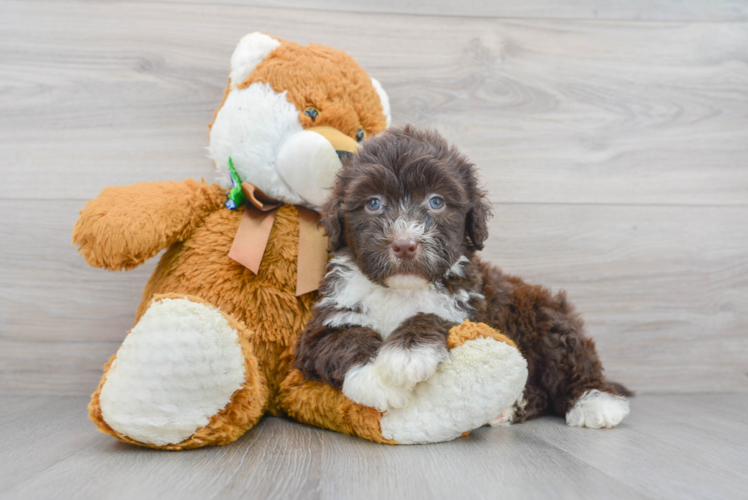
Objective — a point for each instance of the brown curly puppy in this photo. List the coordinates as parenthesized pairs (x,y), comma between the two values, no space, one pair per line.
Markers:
(405,220)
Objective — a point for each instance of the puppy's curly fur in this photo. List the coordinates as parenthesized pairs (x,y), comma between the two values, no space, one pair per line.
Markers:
(383,319)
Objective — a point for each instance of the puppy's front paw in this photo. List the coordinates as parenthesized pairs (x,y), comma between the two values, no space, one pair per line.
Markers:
(363,385)
(596,410)
(406,367)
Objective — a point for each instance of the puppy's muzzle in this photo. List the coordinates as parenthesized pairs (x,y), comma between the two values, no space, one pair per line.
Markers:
(404,247)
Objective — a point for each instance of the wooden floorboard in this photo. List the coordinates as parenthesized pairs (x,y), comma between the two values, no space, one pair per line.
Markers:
(669,447)
(552,110)
(39,433)
(637,10)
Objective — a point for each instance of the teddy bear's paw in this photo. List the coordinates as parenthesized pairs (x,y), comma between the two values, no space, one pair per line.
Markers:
(178,367)
(406,367)
(598,410)
(364,386)
(481,379)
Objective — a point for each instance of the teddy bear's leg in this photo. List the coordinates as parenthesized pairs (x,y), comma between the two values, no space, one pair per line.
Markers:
(184,377)
(321,405)
(484,376)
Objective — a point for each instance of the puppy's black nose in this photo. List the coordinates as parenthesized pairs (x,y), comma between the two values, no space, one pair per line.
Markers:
(404,247)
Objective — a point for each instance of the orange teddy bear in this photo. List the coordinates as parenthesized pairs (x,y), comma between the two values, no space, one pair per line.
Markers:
(214,337)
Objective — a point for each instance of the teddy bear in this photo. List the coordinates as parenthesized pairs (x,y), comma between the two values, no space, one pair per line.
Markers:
(213,343)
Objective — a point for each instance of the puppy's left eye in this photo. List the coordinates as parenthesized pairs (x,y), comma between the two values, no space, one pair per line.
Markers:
(373,205)
(360,135)
(436,203)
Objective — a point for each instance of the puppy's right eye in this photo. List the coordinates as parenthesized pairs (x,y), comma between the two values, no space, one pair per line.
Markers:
(373,205)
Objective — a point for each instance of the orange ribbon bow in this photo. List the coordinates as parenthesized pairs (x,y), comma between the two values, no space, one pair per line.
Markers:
(254,231)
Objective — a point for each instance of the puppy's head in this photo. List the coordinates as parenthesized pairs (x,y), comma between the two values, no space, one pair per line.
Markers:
(408,206)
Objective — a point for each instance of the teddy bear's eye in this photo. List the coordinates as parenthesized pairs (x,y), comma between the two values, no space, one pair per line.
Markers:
(311,113)
(360,135)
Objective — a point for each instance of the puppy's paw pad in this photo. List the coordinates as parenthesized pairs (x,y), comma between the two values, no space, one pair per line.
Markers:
(597,410)
(407,367)
(363,385)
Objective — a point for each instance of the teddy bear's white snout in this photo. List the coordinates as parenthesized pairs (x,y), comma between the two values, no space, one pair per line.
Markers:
(308,163)
(309,160)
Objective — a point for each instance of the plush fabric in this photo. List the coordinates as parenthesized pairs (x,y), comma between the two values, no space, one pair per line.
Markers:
(242,412)
(207,325)
(127,225)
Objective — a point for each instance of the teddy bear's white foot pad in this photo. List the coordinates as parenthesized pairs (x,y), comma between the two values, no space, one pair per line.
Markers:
(177,368)
(482,378)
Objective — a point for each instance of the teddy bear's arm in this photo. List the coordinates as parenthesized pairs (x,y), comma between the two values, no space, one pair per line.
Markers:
(127,225)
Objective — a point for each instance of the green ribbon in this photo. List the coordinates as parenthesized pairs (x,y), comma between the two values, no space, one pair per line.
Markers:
(236,196)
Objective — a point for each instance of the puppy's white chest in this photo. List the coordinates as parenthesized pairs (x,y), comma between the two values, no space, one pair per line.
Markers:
(389,308)
(361,302)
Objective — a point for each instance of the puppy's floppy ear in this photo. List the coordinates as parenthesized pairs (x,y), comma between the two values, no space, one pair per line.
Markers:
(332,218)
(476,221)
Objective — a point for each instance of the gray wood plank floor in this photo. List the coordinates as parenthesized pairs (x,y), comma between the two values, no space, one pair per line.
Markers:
(671,446)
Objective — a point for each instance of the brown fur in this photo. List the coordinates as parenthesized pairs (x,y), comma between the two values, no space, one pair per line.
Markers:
(127,225)
(402,168)
(419,330)
(562,361)
(326,354)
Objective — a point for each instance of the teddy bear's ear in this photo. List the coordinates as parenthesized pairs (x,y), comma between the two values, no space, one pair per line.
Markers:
(383,98)
(249,52)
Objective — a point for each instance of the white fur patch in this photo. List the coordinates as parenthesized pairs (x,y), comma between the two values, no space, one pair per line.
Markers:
(249,52)
(383,98)
(251,128)
(407,367)
(457,268)
(383,309)
(426,237)
(479,380)
(179,366)
(405,227)
(596,410)
(363,385)
(406,282)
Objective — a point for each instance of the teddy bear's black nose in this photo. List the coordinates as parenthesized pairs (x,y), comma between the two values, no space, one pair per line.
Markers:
(343,155)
